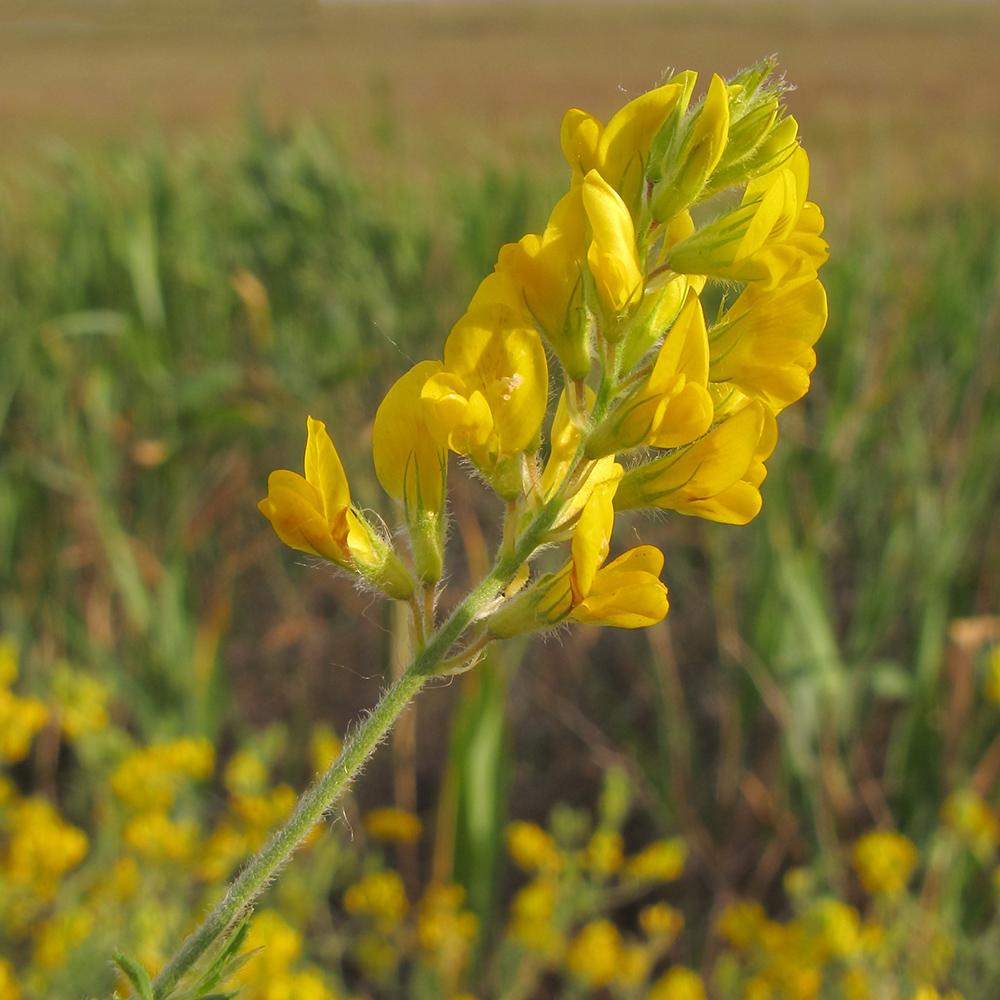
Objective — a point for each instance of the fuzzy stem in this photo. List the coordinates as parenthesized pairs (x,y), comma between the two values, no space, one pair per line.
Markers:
(263,867)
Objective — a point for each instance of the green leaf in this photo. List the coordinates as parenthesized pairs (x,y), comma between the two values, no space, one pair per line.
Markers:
(136,974)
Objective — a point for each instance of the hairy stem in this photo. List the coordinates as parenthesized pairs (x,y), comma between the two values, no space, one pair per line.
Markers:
(266,864)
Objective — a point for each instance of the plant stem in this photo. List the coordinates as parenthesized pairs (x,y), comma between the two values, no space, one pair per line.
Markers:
(263,867)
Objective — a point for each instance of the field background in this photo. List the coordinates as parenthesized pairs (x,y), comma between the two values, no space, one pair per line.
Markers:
(820,670)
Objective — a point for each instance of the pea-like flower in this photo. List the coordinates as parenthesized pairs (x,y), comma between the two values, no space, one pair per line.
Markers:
(314,514)
(774,228)
(627,592)
(490,397)
(410,449)
(543,275)
(763,344)
(716,477)
(612,256)
(672,407)
(620,151)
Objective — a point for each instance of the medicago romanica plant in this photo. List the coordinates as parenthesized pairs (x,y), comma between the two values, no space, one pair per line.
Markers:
(660,406)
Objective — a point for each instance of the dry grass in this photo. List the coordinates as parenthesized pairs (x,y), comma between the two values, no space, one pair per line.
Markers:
(893,97)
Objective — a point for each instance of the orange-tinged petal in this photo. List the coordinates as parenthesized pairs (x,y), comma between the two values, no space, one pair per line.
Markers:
(294,508)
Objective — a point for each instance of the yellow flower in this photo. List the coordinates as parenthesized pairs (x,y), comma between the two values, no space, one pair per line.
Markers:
(928,992)
(490,398)
(156,837)
(20,720)
(262,812)
(595,954)
(391,824)
(621,151)
(380,895)
(661,861)
(678,983)
(763,343)
(775,231)
(741,924)
(314,514)
(275,945)
(42,847)
(603,853)
(410,451)
(884,861)
(564,440)
(612,256)
(717,477)
(532,925)
(544,274)
(661,923)
(81,702)
(973,821)
(9,989)
(626,593)
(147,779)
(855,985)
(445,932)
(634,963)
(324,747)
(532,849)
(837,925)
(245,773)
(672,407)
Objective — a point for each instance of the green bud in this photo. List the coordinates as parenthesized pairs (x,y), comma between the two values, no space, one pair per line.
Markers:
(667,141)
(683,177)
(616,797)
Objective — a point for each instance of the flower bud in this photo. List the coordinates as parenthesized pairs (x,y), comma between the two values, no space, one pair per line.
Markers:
(707,132)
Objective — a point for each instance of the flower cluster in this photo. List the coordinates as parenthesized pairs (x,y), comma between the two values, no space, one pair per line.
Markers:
(900,947)
(661,404)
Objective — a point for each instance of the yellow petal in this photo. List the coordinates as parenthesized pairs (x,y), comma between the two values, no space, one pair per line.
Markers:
(759,341)
(686,480)
(410,452)
(627,592)
(592,537)
(324,469)
(738,504)
(683,418)
(546,270)
(579,137)
(507,364)
(612,256)
(623,150)
(294,508)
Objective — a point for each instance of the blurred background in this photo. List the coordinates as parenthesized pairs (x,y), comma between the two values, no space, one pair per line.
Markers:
(218,217)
